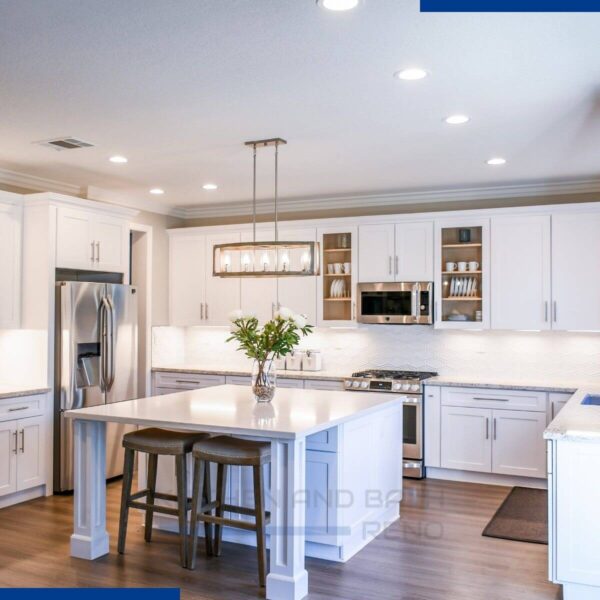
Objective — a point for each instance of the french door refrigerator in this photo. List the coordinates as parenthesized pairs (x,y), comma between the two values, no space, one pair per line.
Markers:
(96,363)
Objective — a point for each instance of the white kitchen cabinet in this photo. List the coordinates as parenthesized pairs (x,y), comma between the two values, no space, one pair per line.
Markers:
(10,263)
(402,252)
(414,251)
(518,444)
(376,253)
(298,293)
(466,442)
(21,455)
(321,491)
(8,457)
(557,402)
(576,272)
(91,240)
(187,259)
(259,294)
(520,272)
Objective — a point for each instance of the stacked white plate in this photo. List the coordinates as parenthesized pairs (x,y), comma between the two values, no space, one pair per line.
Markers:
(337,289)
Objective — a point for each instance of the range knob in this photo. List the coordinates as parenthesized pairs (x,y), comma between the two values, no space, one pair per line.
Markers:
(414,387)
(406,387)
(348,383)
(364,384)
(355,384)
(396,386)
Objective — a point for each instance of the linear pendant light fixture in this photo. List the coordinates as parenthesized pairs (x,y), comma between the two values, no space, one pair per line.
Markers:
(266,259)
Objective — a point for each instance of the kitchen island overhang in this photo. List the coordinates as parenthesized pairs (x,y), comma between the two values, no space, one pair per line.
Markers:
(368,441)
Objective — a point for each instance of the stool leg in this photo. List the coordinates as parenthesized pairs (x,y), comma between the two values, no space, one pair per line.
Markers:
(182,502)
(151,485)
(259,508)
(197,494)
(208,532)
(125,494)
(221,485)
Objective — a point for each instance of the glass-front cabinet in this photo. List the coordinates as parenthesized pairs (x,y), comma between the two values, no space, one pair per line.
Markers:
(336,286)
(462,298)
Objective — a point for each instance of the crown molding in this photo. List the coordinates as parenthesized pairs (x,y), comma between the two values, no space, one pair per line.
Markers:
(124,199)
(38,184)
(422,196)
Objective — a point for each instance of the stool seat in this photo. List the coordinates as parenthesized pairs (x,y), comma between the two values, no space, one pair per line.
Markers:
(227,450)
(161,441)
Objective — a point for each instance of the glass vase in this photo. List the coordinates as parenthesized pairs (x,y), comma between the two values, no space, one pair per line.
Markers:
(264,380)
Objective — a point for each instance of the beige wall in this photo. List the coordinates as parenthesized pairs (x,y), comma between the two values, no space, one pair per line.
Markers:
(160,262)
(399,209)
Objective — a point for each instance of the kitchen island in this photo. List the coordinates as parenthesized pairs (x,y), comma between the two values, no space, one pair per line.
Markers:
(367,427)
(574,496)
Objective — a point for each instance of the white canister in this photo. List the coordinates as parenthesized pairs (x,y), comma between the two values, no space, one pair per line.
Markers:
(293,361)
(312,361)
(280,363)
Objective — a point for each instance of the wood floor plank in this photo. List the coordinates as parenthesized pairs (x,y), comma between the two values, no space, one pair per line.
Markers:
(434,552)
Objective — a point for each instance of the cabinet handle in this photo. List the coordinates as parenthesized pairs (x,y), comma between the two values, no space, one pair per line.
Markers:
(15,448)
(185,381)
(201,311)
(396,264)
(18,408)
(487,428)
(555,311)
(97,252)
(494,427)
(390,265)
(353,311)
(206,310)
(272,310)
(93,252)
(546,311)
(491,399)
(23,440)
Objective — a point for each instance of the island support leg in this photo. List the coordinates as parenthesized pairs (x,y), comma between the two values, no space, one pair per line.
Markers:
(287,579)
(90,538)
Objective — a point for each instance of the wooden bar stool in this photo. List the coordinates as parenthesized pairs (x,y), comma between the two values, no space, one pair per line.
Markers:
(224,451)
(158,442)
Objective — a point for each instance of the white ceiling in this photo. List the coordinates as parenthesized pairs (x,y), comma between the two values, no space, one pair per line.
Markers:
(177,87)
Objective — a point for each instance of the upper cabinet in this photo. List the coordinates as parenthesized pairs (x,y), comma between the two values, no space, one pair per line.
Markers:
(195,296)
(520,272)
(576,272)
(10,262)
(402,252)
(462,274)
(91,240)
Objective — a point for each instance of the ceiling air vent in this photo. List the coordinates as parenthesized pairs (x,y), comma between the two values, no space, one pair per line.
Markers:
(67,143)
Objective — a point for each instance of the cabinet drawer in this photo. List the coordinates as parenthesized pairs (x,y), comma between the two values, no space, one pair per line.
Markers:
(238,379)
(325,441)
(290,383)
(323,384)
(187,381)
(19,408)
(494,398)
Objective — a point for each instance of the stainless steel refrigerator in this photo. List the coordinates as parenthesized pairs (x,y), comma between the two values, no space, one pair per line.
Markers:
(96,363)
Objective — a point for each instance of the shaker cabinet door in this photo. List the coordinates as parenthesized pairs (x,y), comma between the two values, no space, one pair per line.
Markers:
(414,251)
(74,241)
(376,254)
(8,457)
(30,457)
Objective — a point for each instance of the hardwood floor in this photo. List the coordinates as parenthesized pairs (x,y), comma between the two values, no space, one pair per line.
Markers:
(434,552)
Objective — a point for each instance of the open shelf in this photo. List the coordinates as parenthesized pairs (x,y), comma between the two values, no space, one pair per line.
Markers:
(337,299)
(461,273)
(462,299)
(337,274)
(466,245)
(337,249)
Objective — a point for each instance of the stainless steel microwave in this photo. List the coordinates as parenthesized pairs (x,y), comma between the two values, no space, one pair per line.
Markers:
(405,303)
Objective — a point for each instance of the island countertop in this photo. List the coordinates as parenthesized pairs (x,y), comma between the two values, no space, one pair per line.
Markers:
(292,414)
(576,421)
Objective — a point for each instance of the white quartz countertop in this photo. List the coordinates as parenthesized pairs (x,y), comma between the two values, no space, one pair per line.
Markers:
(576,421)
(294,413)
(16,391)
(544,385)
(219,370)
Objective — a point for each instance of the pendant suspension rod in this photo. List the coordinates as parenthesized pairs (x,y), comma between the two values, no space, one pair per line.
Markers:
(276,176)
(254,197)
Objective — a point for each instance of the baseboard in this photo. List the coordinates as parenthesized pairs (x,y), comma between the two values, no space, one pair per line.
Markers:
(23,496)
(485,478)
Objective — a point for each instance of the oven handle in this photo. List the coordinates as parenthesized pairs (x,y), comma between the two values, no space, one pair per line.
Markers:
(417,401)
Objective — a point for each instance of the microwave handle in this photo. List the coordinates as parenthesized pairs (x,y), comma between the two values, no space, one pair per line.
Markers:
(415,299)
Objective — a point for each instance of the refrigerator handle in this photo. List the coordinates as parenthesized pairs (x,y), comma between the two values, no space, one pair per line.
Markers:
(110,342)
(103,345)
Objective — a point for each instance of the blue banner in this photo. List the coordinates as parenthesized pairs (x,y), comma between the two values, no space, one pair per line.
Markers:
(510,5)
(90,593)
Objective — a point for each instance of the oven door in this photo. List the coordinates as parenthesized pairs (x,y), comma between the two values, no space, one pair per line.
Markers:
(412,409)
(388,302)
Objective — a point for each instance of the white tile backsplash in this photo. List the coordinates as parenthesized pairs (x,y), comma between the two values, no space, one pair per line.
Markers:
(23,357)
(517,355)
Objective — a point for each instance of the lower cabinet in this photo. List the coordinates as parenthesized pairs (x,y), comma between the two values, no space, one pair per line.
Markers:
(21,455)
(506,442)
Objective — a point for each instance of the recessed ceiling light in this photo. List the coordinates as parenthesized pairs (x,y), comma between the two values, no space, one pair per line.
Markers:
(338,5)
(210,186)
(494,162)
(157,191)
(118,159)
(456,119)
(411,74)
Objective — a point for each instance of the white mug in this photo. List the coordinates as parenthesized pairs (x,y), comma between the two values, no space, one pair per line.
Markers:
(450,266)
(473,265)
(338,268)
(462,265)
(347,267)
(330,268)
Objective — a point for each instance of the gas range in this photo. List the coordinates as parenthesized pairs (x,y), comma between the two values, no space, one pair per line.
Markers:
(383,380)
